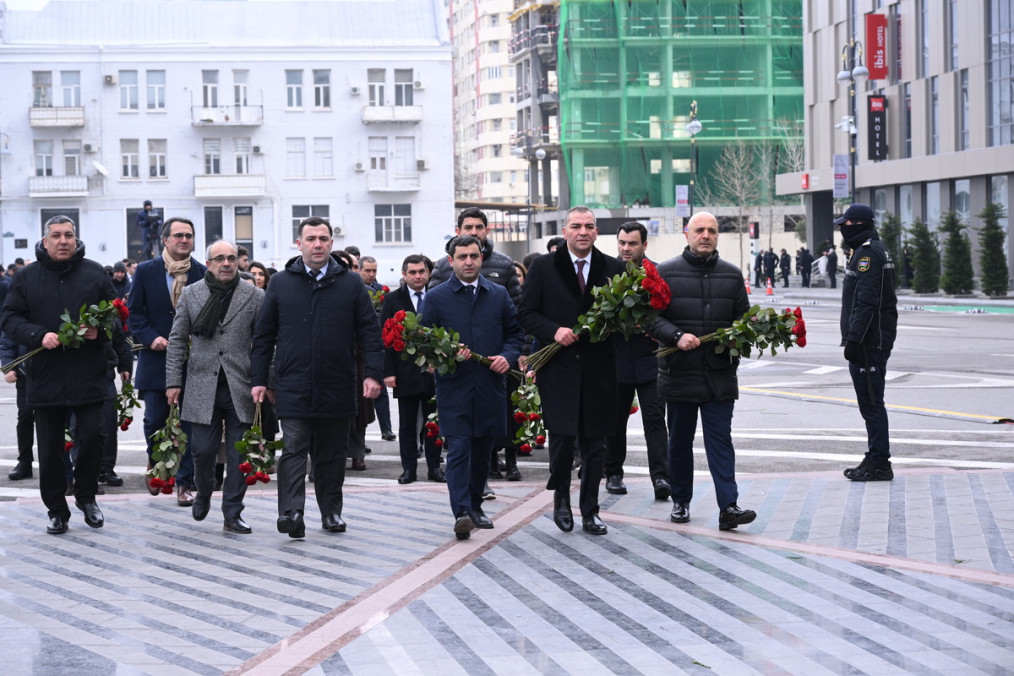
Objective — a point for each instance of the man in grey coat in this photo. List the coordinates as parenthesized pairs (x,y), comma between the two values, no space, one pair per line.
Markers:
(215,319)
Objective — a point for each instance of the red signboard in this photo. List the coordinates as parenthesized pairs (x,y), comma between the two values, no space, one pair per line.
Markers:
(805,182)
(876,46)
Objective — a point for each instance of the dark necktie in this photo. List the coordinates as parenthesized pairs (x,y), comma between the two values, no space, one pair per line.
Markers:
(580,275)
(418,302)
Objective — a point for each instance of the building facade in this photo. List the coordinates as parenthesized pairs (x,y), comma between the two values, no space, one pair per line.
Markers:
(933,123)
(243,116)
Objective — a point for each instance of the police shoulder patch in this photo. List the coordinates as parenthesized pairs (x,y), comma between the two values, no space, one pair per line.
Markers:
(864,264)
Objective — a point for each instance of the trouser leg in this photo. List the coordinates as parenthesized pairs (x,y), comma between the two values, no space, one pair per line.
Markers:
(682,428)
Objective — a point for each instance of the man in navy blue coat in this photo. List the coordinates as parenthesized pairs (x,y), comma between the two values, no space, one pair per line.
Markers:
(471,401)
(158,284)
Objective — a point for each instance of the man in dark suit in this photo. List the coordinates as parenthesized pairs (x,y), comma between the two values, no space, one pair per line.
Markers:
(157,287)
(578,385)
(412,387)
(472,399)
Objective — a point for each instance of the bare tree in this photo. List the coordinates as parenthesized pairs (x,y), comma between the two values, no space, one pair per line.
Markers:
(736,181)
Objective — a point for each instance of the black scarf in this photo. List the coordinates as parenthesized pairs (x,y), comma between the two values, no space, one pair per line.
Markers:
(214,308)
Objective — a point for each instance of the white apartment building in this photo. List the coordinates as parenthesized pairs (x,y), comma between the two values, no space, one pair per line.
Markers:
(244,117)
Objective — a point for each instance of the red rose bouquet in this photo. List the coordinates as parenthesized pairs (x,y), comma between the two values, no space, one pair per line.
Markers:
(378,296)
(126,402)
(758,328)
(169,443)
(258,454)
(528,415)
(627,304)
(71,333)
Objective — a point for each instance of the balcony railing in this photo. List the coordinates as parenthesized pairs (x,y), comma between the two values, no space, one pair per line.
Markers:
(50,116)
(397,114)
(57,186)
(230,185)
(385,182)
(228,116)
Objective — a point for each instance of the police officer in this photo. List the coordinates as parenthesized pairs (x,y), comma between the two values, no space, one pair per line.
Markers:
(869,323)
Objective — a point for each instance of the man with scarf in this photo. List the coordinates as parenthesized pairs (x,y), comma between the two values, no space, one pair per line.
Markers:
(157,287)
(869,324)
(215,319)
(60,380)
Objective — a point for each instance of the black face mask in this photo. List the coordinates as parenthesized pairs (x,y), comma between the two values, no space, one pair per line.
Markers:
(850,232)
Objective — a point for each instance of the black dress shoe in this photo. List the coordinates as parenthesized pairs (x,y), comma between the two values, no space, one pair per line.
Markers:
(292,523)
(92,514)
(480,519)
(680,512)
(615,485)
(23,470)
(388,436)
(110,479)
(463,526)
(406,477)
(236,525)
(202,505)
(593,524)
(494,473)
(662,489)
(437,475)
(332,523)
(358,465)
(513,474)
(562,515)
(733,516)
(57,526)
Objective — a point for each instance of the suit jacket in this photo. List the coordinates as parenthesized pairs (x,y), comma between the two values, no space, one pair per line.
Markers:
(579,382)
(151,316)
(228,350)
(412,381)
(472,400)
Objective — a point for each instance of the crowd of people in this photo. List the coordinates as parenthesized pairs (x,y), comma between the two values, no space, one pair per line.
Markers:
(300,349)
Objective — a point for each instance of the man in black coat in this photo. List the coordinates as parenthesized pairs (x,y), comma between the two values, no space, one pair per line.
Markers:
(770,262)
(61,381)
(316,317)
(832,267)
(707,294)
(785,265)
(578,385)
(496,267)
(411,385)
(805,266)
(869,324)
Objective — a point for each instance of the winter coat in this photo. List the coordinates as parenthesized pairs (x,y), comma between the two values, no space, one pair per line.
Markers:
(869,306)
(496,267)
(311,329)
(707,294)
(472,400)
(636,363)
(40,293)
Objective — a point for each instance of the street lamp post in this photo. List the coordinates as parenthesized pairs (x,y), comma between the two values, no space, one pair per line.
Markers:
(693,128)
(533,163)
(852,71)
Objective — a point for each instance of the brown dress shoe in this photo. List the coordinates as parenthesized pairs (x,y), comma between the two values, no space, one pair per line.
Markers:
(359,465)
(184,498)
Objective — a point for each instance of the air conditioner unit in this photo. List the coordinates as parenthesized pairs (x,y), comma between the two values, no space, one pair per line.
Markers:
(337,231)
(417,84)
(354,91)
(257,150)
(359,166)
(420,165)
(89,148)
(110,79)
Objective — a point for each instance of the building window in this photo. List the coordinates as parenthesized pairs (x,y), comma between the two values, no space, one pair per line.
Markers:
(156,158)
(155,80)
(963,110)
(952,34)
(906,122)
(496,177)
(43,158)
(1001,75)
(295,158)
(375,78)
(70,87)
(962,203)
(934,113)
(42,88)
(212,156)
(323,157)
(377,147)
(393,223)
(241,152)
(128,89)
(924,45)
(240,79)
(931,206)
(322,89)
(495,99)
(894,42)
(72,158)
(209,87)
(301,211)
(497,150)
(998,195)
(906,205)
(129,161)
(403,84)
(293,89)
(493,73)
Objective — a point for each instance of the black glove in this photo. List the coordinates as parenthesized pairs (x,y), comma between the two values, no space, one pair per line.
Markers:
(853,352)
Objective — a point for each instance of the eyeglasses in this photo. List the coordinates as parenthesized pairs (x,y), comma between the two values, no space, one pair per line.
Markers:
(183,235)
(222,259)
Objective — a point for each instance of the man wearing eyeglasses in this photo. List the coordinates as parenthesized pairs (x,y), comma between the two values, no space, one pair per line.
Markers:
(215,319)
(158,285)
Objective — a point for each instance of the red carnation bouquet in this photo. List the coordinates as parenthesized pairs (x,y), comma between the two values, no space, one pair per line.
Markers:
(434,347)
(71,333)
(258,454)
(627,304)
(758,328)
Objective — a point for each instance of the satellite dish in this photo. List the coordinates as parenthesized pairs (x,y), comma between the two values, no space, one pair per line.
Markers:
(99,168)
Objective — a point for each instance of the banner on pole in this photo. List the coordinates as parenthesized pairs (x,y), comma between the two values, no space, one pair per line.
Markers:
(841,176)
